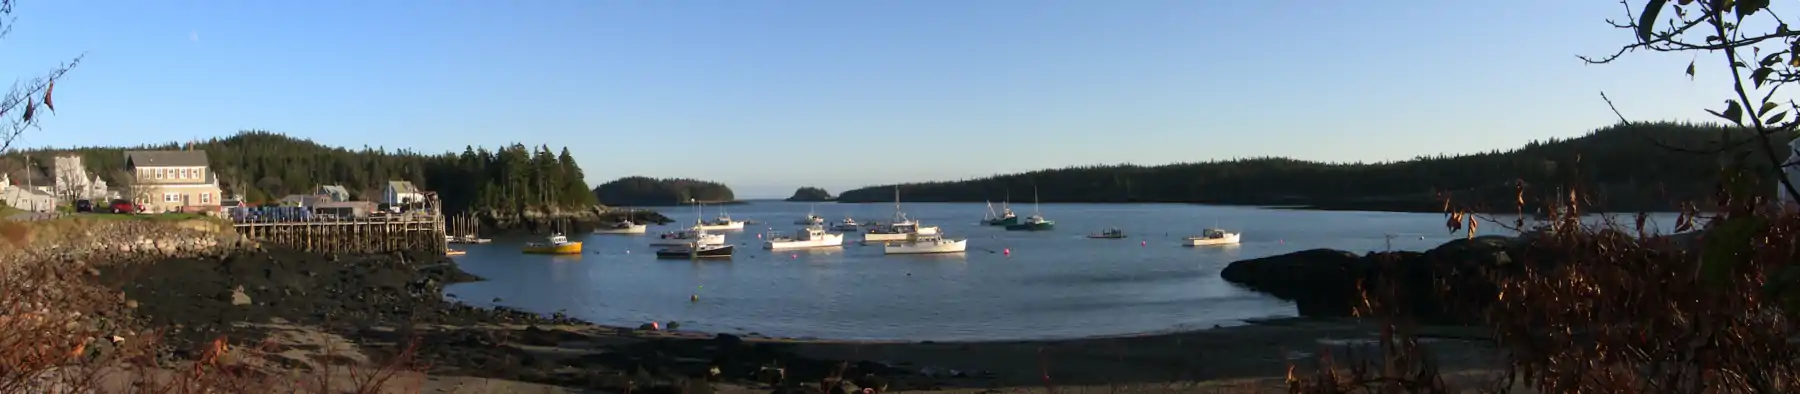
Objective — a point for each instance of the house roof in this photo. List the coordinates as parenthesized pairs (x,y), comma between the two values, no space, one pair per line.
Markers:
(402,187)
(167,158)
(334,189)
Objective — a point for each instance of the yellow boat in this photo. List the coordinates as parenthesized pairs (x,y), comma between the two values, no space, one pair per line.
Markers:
(558,244)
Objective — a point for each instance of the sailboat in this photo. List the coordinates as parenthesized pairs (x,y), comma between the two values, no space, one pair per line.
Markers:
(1005,217)
(1035,222)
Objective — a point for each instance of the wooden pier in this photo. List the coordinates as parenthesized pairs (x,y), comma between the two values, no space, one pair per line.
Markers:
(368,235)
(420,230)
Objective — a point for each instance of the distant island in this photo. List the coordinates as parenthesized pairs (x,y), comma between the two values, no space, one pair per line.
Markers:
(810,194)
(645,192)
(1622,164)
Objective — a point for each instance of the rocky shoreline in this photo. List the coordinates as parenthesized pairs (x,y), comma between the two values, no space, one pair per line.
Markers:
(381,304)
(306,311)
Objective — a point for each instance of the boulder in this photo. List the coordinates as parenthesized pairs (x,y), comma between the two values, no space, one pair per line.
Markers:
(1449,283)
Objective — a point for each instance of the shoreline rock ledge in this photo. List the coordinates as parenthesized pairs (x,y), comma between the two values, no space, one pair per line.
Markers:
(1447,284)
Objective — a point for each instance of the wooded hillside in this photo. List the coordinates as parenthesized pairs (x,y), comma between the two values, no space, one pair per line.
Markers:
(1623,164)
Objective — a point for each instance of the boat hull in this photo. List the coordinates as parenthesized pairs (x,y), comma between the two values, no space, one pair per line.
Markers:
(845,227)
(569,248)
(828,240)
(722,227)
(709,239)
(633,229)
(1045,226)
(895,237)
(946,246)
(1228,239)
(1002,222)
(689,253)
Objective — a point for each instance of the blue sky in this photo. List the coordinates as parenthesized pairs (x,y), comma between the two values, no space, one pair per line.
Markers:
(771,95)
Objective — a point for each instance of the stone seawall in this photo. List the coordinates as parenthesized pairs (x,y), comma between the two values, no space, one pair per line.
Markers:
(118,240)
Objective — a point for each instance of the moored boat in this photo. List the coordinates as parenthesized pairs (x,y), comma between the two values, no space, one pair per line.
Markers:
(811,237)
(723,222)
(1035,222)
(926,244)
(847,224)
(898,231)
(684,237)
(1213,236)
(1004,218)
(811,219)
(694,251)
(556,244)
(622,227)
(1111,233)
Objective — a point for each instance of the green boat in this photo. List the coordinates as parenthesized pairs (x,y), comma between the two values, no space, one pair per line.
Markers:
(1035,222)
(1005,218)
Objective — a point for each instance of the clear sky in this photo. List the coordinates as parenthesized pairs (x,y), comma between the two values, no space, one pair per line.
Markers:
(771,95)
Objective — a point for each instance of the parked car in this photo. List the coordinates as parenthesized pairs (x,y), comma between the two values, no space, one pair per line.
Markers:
(84,206)
(125,206)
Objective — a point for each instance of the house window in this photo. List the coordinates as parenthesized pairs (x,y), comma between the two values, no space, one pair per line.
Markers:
(206,198)
(171,197)
(200,173)
(159,173)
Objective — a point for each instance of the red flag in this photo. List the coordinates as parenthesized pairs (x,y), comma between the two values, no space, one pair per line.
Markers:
(30,108)
(47,103)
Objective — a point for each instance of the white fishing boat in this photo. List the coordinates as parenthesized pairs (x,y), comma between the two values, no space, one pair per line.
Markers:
(926,244)
(811,219)
(1213,236)
(900,229)
(811,237)
(723,222)
(847,225)
(622,227)
(694,235)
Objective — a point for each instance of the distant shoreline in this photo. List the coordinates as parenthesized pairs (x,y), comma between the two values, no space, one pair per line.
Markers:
(1346,206)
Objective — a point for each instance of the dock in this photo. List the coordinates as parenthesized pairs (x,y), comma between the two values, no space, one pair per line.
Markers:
(417,230)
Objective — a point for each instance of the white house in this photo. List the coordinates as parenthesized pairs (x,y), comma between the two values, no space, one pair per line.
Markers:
(401,192)
(337,192)
(70,181)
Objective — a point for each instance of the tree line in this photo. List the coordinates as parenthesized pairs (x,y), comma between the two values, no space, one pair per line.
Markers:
(1646,165)
(644,191)
(263,166)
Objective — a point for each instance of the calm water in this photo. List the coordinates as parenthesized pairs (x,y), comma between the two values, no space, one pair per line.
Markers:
(1055,284)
